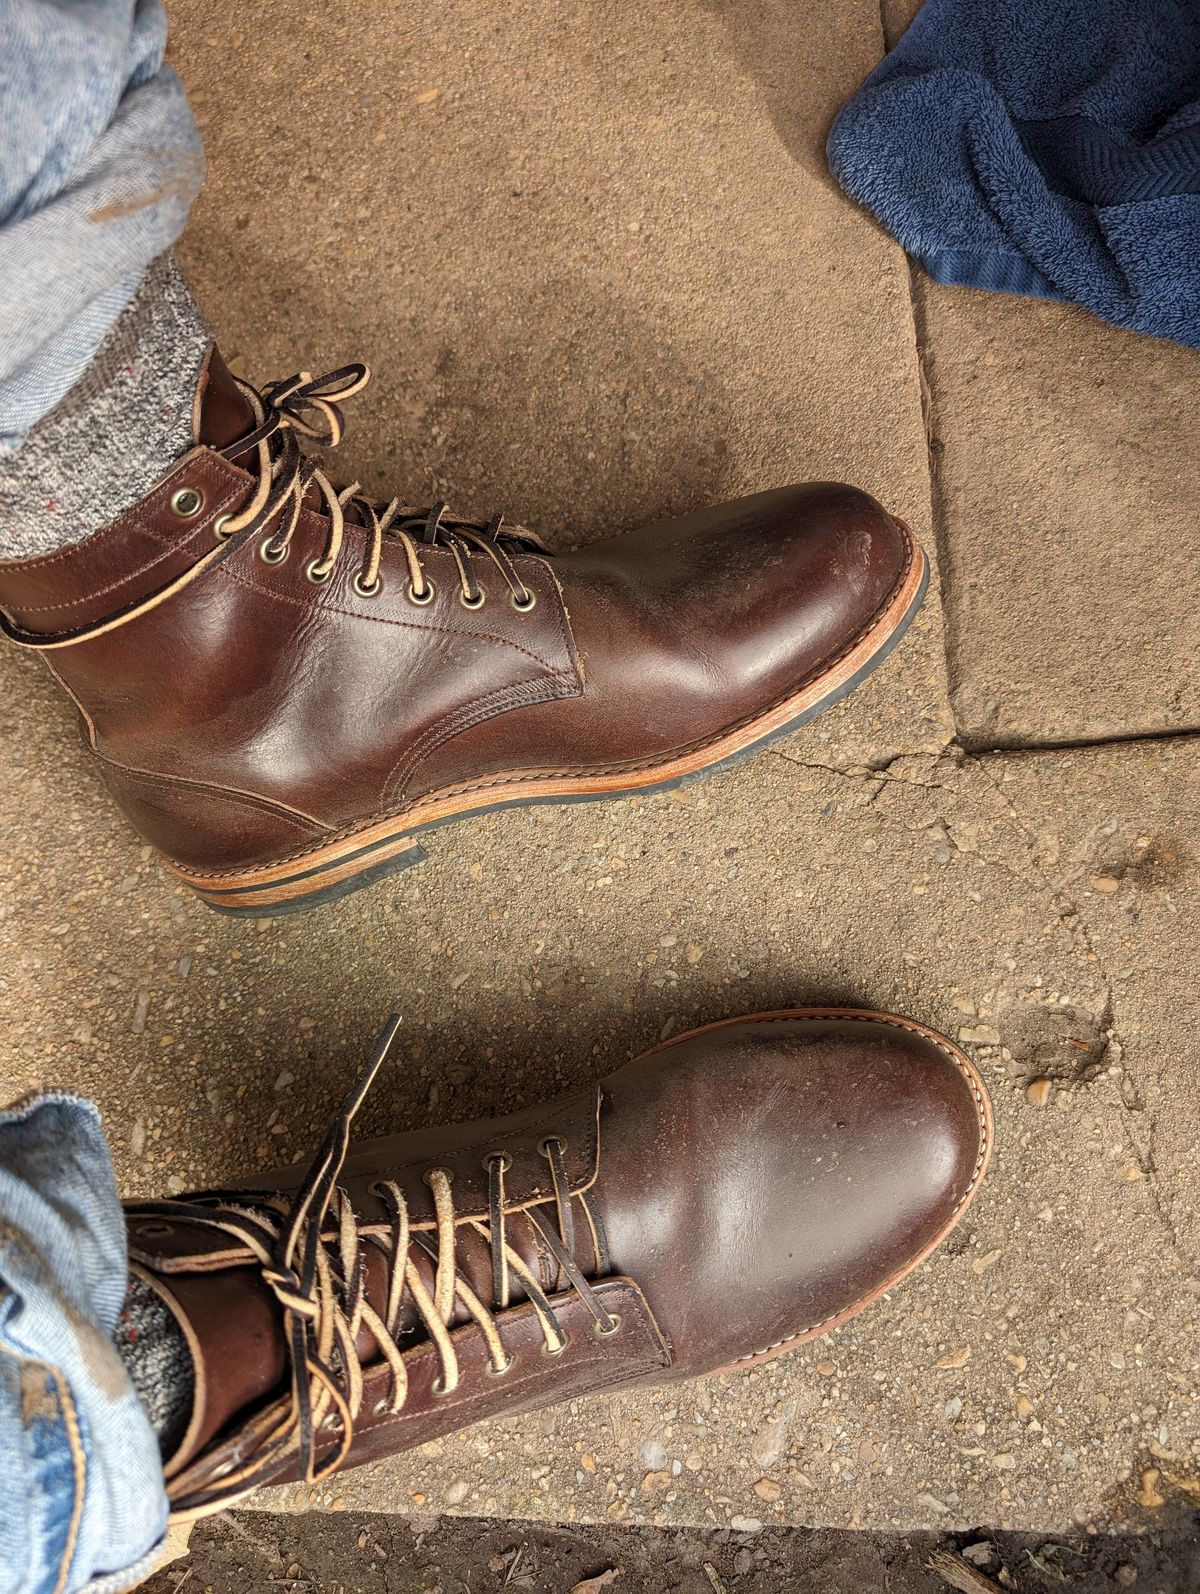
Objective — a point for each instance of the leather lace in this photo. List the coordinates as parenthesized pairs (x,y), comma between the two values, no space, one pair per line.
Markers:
(308,406)
(311,1254)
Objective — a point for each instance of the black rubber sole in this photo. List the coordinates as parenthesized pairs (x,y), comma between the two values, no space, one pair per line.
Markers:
(370,875)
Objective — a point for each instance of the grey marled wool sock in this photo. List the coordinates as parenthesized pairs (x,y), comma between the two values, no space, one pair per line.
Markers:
(151,1344)
(117,430)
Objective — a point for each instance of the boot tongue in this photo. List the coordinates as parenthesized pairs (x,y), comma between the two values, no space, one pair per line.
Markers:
(230,1319)
(222,411)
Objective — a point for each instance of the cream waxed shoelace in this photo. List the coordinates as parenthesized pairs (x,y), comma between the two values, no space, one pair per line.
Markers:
(309,406)
(304,405)
(311,1254)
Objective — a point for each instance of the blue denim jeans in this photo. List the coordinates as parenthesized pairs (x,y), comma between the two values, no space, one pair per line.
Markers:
(82,1502)
(100,160)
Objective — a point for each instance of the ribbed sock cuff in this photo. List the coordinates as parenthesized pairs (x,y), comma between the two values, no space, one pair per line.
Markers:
(118,429)
(151,1344)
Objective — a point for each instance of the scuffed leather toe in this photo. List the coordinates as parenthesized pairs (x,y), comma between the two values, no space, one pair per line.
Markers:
(826,1154)
(706,620)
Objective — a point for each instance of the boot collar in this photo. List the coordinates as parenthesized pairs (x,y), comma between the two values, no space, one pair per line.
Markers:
(221,412)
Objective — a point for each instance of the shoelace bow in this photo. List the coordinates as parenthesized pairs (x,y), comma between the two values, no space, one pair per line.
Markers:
(319,1283)
(308,406)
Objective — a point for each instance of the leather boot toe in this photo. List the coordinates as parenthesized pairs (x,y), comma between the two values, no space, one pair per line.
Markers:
(690,628)
(825,1156)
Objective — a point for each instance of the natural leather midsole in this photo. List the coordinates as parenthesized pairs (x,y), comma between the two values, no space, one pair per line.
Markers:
(323,866)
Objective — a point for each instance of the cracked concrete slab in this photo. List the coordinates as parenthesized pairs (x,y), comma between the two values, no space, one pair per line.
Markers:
(1065,480)
(1118,828)
(1063,459)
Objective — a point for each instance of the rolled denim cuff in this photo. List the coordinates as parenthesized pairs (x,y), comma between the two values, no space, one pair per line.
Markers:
(102,161)
(82,1499)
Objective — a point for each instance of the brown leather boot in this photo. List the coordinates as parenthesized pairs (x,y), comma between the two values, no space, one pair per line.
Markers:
(283,683)
(712,1204)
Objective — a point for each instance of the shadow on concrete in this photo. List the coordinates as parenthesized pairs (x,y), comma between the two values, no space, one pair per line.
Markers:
(550,396)
(807,60)
(258,1553)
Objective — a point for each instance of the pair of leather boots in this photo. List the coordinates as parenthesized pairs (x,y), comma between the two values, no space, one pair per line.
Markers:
(285,683)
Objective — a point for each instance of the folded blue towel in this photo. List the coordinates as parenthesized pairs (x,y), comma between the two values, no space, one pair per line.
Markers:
(1044,147)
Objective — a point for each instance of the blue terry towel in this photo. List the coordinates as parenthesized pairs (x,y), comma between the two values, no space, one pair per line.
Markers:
(1045,147)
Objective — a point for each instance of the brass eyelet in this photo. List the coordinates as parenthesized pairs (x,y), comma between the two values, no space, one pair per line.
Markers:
(187,502)
(380,1408)
(523,606)
(547,1351)
(437,1389)
(328,1422)
(499,1372)
(218,528)
(446,1173)
(315,574)
(502,1157)
(155,1229)
(424,596)
(547,1141)
(270,554)
(473,603)
(365,591)
(614,1326)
